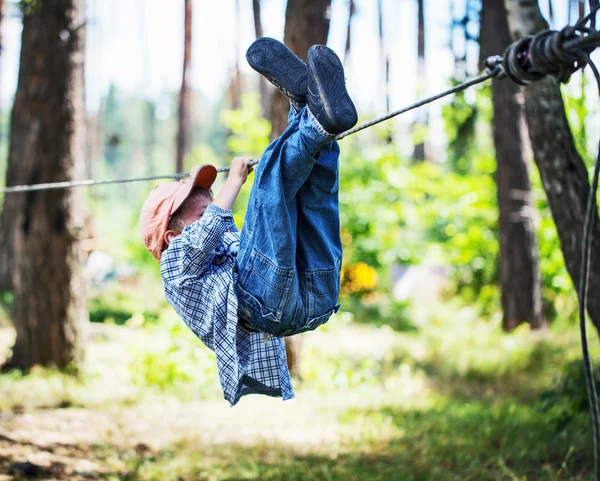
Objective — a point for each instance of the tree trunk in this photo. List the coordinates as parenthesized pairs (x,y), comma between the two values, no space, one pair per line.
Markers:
(384,56)
(5,222)
(519,272)
(306,24)
(351,12)
(235,87)
(266,90)
(386,68)
(422,120)
(1,21)
(562,170)
(293,353)
(185,115)
(47,145)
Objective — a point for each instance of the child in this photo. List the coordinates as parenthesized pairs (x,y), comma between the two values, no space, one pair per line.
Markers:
(242,293)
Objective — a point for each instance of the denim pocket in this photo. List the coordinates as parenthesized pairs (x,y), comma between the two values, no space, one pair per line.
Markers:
(267,285)
(322,292)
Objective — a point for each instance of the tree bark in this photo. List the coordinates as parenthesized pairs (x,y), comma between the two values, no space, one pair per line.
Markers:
(293,353)
(563,172)
(5,222)
(422,118)
(386,68)
(519,272)
(351,12)
(47,145)
(235,87)
(1,21)
(185,114)
(306,24)
(266,90)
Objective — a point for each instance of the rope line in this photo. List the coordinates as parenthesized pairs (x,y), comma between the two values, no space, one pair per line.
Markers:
(496,70)
(87,183)
(586,257)
(584,279)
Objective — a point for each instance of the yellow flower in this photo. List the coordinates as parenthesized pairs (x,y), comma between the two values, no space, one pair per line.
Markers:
(359,277)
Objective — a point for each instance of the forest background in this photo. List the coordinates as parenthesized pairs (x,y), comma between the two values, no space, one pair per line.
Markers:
(451,358)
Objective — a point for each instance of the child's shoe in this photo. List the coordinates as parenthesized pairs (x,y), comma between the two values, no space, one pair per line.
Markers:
(280,66)
(327,97)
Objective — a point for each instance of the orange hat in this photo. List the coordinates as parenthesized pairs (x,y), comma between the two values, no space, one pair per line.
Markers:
(164,200)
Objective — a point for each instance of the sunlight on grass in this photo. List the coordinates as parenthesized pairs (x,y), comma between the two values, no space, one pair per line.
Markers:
(454,400)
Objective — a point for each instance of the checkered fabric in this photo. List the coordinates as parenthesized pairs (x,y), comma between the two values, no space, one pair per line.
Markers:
(199,278)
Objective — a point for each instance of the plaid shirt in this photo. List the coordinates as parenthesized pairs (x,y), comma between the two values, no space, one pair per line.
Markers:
(199,278)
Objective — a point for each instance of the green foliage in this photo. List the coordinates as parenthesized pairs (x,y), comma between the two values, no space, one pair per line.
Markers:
(465,115)
(6,300)
(423,212)
(249,136)
(436,214)
(568,398)
(4,140)
(381,310)
(118,302)
(250,131)
(577,113)
(31,7)
(460,119)
(179,364)
(48,388)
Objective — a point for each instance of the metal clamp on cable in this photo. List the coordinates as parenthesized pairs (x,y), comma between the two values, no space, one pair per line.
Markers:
(495,65)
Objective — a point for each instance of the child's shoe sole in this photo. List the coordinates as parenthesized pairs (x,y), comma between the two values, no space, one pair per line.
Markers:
(280,66)
(327,97)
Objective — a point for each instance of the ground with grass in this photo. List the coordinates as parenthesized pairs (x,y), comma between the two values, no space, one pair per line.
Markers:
(453,399)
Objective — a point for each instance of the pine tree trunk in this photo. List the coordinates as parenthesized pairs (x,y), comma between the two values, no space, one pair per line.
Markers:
(563,173)
(386,68)
(351,12)
(5,224)
(47,145)
(519,272)
(266,91)
(422,118)
(306,24)
(184,131)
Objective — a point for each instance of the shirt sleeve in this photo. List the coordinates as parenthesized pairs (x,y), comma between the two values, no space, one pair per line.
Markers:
(232,226)
(198,242)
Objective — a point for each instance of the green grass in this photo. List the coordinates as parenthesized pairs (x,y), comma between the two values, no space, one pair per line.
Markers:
(453,399)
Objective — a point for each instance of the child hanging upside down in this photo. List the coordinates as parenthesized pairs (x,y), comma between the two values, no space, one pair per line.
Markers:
(242,293)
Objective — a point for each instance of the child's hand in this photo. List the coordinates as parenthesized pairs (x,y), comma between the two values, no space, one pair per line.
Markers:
(238,173)
(240,169)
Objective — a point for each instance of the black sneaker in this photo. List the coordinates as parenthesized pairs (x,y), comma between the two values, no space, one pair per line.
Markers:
(280,66)
(327,97)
